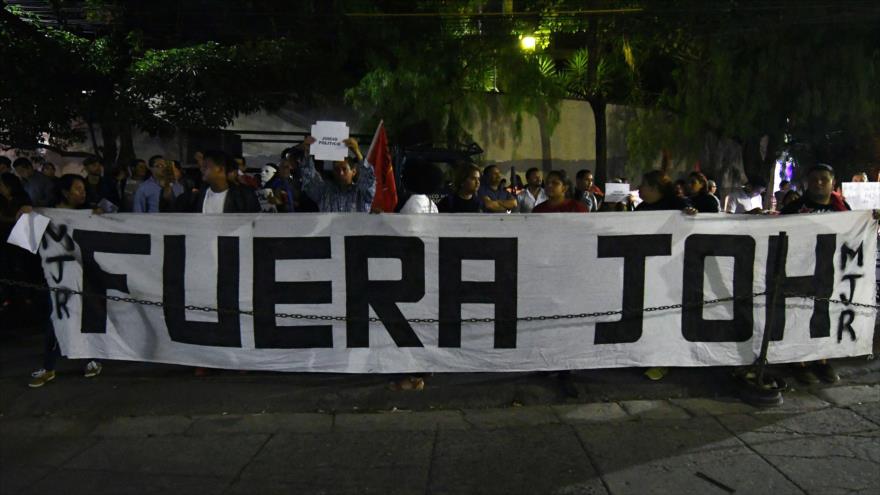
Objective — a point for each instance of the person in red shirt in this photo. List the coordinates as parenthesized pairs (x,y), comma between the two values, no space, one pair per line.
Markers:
(558,188)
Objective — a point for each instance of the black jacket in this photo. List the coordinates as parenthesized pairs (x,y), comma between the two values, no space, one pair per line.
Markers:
(239,199)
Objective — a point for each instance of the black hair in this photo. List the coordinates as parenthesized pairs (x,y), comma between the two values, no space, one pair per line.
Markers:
(221,158)
(582,173)
(4,160)
(531,171)
(152,161)
(22,162)
(90,160)
(295,153)
(65,183)
(13,183)
(488,168)
(563,177)
(134,162)
(784,183)
(819,167)
(422,177)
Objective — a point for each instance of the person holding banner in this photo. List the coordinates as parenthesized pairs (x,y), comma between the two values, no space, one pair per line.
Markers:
(72,190)
(218,195)
(353,186)
(658,193)
(534,193)
(818,198)
(698,186)
(559,200)
(494,198)
(464,199)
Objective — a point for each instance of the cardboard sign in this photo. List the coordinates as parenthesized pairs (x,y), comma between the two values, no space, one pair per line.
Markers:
(616,193)
(329,137)
(862,195)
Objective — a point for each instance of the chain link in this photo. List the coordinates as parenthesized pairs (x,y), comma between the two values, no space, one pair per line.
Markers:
(298,316)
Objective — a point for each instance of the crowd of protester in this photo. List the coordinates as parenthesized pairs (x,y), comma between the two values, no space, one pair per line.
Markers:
(298,184)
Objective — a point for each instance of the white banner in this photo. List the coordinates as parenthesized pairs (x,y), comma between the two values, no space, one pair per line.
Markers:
(862,195)
(400,268)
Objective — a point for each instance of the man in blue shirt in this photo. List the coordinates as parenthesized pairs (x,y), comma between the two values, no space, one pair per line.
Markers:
(158,190)
(494,198)
(353,186)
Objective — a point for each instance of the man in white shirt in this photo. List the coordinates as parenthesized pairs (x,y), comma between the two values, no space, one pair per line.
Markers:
(533,194)
(218,195)
(747,199)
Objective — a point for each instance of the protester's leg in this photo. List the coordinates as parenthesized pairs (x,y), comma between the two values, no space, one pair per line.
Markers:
(826,372)
(51,352)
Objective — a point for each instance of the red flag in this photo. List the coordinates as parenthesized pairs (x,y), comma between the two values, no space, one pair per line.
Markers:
(380,158)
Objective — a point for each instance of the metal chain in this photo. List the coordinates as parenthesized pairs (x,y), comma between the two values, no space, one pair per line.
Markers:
(298,316)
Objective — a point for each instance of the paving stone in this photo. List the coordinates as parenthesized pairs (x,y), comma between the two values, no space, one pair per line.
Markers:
(590,413)
(849,395)
(510,417)
(219,456)
(802,448)
(653,409)
(869,411)
(525,460)
(41,451)
(45,426)
(89,482)
(796,402)
(676,456)
(292,457)
(713,407)
(829,421)
(143,426)
(14,479)
(260,423)
(425,421)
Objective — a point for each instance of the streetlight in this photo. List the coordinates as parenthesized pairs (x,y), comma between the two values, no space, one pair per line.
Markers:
(527,43)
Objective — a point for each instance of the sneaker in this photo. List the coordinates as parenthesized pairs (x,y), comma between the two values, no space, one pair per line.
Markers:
(657,373)
(93,369)
(805,375)
(826,373)
(40,378)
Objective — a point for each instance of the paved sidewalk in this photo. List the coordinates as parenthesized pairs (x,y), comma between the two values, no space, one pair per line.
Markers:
(825,442)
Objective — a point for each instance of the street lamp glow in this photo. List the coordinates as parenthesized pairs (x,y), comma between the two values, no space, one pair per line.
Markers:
(527,43)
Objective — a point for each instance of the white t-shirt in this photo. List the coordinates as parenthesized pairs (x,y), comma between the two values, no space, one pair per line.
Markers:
(214,201)
(525,202)
(740,201)
(419,203)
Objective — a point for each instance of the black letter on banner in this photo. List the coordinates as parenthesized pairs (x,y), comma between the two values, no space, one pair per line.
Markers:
(96,280)
(268,293)
(696,248)
(847,254)
(454,292)
(382,295)
(633,249)
(819,285)
(227,331)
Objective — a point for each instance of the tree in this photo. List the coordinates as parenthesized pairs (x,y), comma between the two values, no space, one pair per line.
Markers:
(796,79)
(115,82)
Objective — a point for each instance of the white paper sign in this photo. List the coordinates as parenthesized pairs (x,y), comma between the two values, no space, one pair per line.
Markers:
(28,231)
(862,195)
(616,193)
(329,137)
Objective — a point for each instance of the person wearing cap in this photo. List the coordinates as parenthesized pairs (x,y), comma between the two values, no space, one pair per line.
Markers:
(747,199)
(352,188)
